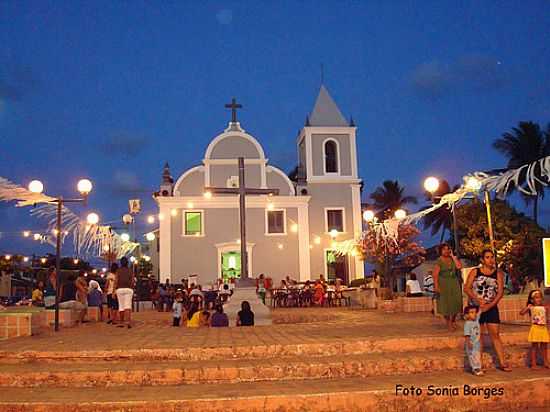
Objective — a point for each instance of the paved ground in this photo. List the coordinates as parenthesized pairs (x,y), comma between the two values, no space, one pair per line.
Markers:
(153,330)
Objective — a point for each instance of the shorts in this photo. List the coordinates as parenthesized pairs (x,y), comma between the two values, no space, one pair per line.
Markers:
(124,296)
(491,316)
(112,302)
(72,305)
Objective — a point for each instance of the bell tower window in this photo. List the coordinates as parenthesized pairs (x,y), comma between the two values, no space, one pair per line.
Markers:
(330,149)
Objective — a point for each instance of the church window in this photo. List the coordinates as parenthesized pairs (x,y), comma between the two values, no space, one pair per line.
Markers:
(276,222)
(193,223)
(331,156)
(334,219)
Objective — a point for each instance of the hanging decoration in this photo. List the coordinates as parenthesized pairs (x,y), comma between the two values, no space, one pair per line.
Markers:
(501,184)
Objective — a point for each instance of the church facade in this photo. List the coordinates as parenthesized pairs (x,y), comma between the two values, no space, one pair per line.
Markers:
(288,234)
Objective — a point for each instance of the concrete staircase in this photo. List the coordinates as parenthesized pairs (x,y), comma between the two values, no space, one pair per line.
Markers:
(360,375)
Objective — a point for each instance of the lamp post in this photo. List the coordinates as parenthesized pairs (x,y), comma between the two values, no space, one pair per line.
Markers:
(84,186)
(431,184)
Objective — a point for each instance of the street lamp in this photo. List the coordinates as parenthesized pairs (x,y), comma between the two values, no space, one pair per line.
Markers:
(150,236)
(431,184)
(84,186)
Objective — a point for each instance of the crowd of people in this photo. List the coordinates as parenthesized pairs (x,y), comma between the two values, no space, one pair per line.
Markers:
(192,306)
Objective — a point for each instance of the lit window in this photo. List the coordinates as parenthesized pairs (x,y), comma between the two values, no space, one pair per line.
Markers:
(193,223)
(335,220)
(276,222)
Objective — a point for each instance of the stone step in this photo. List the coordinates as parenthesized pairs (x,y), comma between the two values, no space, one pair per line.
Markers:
(328,348)
(147,373)
(519,390)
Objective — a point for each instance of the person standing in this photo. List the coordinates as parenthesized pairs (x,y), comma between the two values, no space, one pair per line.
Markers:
(485,288)
(447,284)
(112,302)
(124,292)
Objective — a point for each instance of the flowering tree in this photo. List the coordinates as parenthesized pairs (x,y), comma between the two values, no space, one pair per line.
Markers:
(385,251)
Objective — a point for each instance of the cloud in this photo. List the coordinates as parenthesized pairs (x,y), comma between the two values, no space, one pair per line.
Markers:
(16,81)
(468,73)
(224,16)
(431,80)
(124,145)
(124,183)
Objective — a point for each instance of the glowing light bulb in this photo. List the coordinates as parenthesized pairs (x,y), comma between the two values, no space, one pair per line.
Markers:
(190,205)
(92,219)
(125,237)
(280,246)
(208,194)
(161,216)
(294,227)
(150,219)
(37,236)
(368,215)
(174,212)
(26,233)
(431,184)
(317,240)
(84,186)
(36,186)
(400,214)
(25,259)
(333,233)
(150,236)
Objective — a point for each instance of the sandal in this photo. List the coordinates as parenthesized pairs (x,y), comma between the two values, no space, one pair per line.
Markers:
(505,368)
(478,372)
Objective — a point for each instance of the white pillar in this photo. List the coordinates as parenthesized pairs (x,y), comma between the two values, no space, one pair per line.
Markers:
(357,227)
(303,243)
(165,238)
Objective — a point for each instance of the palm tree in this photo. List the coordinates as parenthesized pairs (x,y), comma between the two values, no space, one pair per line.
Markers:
(525,144)
(439,219)
(389,197)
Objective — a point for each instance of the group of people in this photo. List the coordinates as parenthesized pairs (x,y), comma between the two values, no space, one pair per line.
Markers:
(192,316)
(484,286)
(77,295)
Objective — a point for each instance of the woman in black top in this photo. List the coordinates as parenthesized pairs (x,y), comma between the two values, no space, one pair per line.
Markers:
(485,288)
(245,317)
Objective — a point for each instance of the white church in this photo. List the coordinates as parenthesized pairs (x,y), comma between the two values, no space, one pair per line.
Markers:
(291,233)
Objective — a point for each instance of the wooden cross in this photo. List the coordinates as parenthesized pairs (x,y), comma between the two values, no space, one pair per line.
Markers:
(234,106)
(242,191)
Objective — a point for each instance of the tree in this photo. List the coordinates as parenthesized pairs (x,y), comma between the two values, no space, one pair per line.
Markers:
(517,238)
(389,197)
(525,144)
(386,252)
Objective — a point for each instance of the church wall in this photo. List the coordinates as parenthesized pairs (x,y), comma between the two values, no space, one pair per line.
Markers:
(276,181)
(220,173)
(192,184)
(328,195)
(344,153)
(200,255)
(233,147)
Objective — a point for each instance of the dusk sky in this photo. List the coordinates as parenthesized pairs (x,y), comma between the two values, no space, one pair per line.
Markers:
(112,90)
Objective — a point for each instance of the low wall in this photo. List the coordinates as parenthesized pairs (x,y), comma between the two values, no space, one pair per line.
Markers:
(20,323)
(509,306)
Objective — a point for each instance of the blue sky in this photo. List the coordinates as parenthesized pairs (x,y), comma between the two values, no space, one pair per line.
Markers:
(112,90)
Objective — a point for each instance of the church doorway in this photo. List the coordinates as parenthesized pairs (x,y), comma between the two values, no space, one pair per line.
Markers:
(230,265)
(336,266)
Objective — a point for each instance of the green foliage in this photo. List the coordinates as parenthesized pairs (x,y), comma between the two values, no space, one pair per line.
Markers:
(389,197)
(517,238)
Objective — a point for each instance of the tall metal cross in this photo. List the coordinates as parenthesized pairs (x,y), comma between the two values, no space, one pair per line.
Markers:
(242,191)
(234,106)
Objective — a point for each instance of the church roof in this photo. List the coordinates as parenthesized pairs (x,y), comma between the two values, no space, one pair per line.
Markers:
(326,112)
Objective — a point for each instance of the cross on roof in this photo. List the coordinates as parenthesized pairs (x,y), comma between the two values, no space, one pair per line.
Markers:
(234,106)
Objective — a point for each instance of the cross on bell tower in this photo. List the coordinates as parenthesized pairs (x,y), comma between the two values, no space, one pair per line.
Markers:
(234,106)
